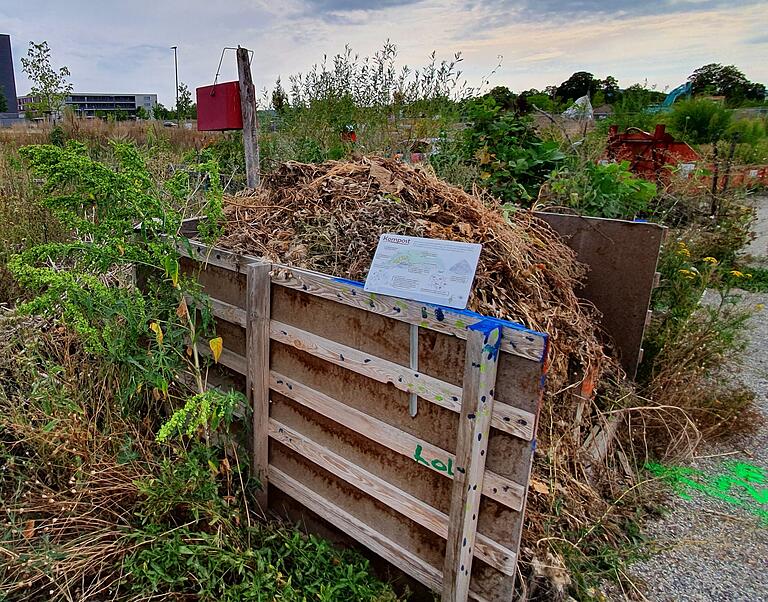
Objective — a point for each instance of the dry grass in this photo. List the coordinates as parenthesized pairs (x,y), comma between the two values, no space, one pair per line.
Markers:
(67,497)
(98,132)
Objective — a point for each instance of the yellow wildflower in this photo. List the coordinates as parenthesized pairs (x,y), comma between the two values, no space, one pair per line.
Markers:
(711,260)
(737,274)
(682,249)
(748,276)
(760,306)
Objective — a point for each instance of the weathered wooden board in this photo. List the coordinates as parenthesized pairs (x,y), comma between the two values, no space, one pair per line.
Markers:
(328,370)
(474,430)
(622,258)
(257,369)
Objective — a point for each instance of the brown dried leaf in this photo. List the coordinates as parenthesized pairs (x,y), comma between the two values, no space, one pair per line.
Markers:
(29,529)
(182,310)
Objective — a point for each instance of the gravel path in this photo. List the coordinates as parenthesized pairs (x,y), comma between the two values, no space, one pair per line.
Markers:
(712,550)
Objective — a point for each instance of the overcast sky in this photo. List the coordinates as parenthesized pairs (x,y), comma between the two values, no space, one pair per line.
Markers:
(124,46)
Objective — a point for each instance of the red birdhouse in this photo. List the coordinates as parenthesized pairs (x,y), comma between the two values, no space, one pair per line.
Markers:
(218,107)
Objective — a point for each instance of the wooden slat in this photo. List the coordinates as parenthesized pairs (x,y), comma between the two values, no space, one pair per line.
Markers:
(505,417)
(221,258)
(497,487)
(365,534)
(229,312)
(481,360)
(516,339)
(413,508)
(230,359)
(257,370)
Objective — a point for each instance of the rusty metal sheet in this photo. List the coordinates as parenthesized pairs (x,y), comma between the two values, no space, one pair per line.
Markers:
(622,258)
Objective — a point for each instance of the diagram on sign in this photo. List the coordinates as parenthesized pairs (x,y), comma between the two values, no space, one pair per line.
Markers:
(424,269)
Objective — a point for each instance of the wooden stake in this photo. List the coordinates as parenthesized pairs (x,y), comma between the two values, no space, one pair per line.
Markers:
(480,363)
(250,117)
(257,372)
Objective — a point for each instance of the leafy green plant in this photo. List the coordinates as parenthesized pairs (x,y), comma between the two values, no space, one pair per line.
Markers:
(89,277)
(753,279)
(699,121)
(286,566)
(512,159)
(601,189)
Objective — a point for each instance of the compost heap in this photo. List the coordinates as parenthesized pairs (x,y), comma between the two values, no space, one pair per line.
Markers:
(328,217)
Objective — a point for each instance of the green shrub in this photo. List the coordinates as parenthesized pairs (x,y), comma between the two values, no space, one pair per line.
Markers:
(601,190)
(693,342)
(699,121)
(512,159)
(751,136)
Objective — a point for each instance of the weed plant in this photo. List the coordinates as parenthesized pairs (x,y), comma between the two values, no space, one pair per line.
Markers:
(389,108)
(107,491)
(512,159)
(690,342)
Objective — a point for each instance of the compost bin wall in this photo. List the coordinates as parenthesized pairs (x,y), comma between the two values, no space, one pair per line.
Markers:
(327,368)
(622,257)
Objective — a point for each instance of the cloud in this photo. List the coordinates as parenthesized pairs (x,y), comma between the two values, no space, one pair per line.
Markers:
(352,5)
(350,12)
(125,46)
(563,10)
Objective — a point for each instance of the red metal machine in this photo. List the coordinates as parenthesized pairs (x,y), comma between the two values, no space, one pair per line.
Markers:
(647,153)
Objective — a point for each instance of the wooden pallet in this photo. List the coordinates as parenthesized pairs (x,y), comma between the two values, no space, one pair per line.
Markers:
(332,372)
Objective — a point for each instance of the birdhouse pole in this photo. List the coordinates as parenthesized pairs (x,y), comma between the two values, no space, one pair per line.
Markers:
(250,117)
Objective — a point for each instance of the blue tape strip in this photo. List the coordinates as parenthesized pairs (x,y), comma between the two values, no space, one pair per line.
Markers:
(439,312)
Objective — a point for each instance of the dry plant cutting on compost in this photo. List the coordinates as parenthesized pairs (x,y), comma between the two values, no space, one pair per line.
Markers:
(328,217)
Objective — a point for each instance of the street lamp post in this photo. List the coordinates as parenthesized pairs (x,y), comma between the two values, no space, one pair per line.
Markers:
(176,68)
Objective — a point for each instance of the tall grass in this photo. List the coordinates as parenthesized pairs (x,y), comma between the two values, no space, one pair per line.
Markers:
(97,133)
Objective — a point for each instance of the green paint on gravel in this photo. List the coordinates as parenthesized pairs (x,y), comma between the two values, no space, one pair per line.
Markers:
(739,483)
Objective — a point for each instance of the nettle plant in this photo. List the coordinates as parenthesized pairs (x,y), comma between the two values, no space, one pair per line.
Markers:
(123,223)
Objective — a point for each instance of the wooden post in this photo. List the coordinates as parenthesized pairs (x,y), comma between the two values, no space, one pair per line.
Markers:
(480,363)
(257,377)
(250,117)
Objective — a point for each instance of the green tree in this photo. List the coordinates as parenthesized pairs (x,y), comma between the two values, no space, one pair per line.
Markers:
(279,98)
(580,84)
(50,87)
(141,113)
(503,97)
(184,104)
(610,88)
(161,112)
(725,80)
(541,100)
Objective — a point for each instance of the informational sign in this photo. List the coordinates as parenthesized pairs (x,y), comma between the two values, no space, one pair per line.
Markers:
(424,269)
